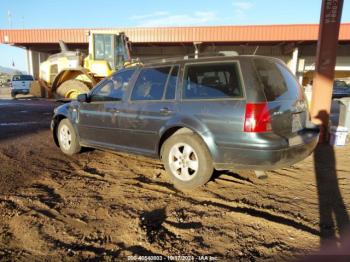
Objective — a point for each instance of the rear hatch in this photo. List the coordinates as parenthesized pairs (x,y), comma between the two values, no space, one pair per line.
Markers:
(21,81)
(285,98)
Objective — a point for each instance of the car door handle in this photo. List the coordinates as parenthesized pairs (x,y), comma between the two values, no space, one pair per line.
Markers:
(165,111)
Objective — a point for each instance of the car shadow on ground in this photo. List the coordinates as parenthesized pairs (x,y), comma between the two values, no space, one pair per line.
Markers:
(333,215)
(229,176)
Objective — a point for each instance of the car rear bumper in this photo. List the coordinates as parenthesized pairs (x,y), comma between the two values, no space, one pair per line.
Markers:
(269,159)
(20,91)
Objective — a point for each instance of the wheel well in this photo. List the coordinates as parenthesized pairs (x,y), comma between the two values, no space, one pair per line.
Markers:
(170,132)
(56,122)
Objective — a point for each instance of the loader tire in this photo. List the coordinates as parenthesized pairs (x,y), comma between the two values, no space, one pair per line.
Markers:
(71,89)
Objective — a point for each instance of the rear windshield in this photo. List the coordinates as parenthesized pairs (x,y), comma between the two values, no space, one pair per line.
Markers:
(22,78)
(277,81)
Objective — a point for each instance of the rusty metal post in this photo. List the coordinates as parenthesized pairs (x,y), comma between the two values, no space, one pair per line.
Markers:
(325,64)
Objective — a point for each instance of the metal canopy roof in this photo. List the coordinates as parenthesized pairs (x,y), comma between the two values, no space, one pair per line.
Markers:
(217,34)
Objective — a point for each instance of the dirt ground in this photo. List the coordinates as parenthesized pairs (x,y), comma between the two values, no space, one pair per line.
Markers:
(108,206)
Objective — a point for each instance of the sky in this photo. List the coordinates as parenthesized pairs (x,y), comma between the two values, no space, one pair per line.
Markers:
(26,14)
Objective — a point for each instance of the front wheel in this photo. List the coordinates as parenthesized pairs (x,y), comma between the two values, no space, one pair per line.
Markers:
(187,160)
(67,138)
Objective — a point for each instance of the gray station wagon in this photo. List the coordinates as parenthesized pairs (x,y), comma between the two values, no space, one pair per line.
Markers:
(197,115)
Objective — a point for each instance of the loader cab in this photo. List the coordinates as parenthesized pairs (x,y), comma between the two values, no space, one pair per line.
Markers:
(107,53)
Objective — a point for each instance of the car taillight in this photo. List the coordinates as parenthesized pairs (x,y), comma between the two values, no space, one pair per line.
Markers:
(257,118)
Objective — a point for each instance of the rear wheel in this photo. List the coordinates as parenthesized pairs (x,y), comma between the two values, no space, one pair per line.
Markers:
(187,161)
(67,138)
(13,94)
(71,89)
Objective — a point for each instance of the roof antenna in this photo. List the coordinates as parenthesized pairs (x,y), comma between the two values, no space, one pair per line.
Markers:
(256,50)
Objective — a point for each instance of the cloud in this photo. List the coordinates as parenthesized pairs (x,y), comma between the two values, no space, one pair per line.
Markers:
(243,5)
(241,8)
(161,18)
(146,16)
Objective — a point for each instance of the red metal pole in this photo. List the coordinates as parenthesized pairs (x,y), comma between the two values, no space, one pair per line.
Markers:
(325,64)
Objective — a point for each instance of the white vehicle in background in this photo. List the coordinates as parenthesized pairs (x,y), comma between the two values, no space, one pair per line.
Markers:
(20,84)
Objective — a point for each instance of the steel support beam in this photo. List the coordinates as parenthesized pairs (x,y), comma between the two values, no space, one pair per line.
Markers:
(325,63)
(294,61)
(33,63)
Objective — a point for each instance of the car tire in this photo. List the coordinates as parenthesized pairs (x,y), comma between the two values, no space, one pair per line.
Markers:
(187,160)
(67,138)
(13,95)
(70,88)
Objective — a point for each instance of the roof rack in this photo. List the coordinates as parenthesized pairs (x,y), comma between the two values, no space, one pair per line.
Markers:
(186,57)
(211,54)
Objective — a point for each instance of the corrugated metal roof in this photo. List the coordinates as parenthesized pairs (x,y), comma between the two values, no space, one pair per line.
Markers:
(254,33)
(22,36)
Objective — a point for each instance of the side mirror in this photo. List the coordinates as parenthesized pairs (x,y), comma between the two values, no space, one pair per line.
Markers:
(82,98)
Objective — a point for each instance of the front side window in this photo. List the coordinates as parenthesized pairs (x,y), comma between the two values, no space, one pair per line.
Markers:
(113,88)
(103,47)
(211,81)
(103,92)
(121,82)
(150,84)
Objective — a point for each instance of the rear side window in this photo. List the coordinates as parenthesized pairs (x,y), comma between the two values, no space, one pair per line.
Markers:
(210,81)
(22,78)
(150,84)
(277,81)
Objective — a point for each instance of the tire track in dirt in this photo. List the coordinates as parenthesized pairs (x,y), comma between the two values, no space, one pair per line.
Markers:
(246,209)
(258,213)
(240,205)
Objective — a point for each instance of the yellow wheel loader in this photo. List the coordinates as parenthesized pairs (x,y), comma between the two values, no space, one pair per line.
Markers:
(68,73)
